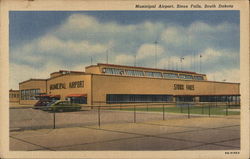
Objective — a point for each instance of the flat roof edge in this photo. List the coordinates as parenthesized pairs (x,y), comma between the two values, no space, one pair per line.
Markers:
(32,79)
(158,69)
(164,78)
(83,73)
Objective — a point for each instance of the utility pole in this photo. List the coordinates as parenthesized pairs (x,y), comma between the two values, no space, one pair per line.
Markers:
(135,61)
(107,56)
(156,42)
(200,62)
(182,58)
(194,64)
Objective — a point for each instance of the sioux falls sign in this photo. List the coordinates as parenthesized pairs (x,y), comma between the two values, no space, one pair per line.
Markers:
(182,87)
(74,84)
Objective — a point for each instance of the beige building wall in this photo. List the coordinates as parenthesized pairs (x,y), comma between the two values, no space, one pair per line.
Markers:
(65,89)
(93,69)
(110,84)
(14,96)
(32,84)
(97,85)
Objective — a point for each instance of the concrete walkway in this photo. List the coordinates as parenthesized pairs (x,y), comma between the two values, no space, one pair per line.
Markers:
(175,134)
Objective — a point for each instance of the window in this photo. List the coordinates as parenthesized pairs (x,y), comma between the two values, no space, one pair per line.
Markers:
(181,76)
(130,72)
(78,100)
(198,78)
(188,77)
(114,71)
(137,98)
(118,71)
(170,75)
(149,74)
(157,74)
(153,74)
(29,94)
(220,98)
(184,98)
(139,73)
(108,71)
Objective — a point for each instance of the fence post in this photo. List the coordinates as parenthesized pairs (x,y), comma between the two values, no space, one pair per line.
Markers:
(226,110)
(202,108)
(147,107)
(99,117)
(188,111)
(134,114)
(54,118)
(163,107)
(209,110)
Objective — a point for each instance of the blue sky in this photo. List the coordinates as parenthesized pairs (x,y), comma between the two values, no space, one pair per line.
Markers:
(45,41)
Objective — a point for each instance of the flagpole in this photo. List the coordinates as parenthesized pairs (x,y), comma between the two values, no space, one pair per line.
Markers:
(200,62)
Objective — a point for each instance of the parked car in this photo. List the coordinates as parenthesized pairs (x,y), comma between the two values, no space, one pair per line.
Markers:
(42,103)
(61,106)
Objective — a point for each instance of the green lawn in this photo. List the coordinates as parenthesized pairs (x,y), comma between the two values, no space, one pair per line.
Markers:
(221,110)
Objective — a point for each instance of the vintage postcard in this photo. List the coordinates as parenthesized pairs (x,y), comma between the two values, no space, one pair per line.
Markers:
(124,79)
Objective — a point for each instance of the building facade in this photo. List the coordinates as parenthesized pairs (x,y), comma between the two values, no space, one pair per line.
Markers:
(14,96)
(111,84)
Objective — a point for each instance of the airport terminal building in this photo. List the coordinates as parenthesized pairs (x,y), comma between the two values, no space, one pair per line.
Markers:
(112,84)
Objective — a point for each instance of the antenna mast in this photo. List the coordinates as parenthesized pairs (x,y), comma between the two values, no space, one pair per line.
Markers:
(107,56)
(182,58)
(135,61)
(200,62)
(156,42)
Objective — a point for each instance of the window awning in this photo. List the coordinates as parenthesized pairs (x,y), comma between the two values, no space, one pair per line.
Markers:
(77,95)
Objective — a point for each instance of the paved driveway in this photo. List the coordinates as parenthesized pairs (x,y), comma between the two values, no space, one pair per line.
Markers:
(199,133)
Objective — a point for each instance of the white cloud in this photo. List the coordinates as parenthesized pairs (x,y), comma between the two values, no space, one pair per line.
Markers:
(175,35)
(71,44)
(148,51)
(78,21)
(227,75)
(199,36)
(124,59)
(202,58)
(20,72)
(53,44)
(197,27)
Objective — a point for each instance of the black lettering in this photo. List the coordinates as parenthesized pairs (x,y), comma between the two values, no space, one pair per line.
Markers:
(190,87)
(57,86)
(76,84)
(178,87)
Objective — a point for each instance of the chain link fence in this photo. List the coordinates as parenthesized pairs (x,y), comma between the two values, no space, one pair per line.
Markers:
(100,113)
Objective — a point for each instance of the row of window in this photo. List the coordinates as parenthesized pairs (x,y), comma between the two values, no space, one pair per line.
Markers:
(29,94)
(184,98)
(78,100)
(209,98)
(14,95)
(219,98)
(142,98)
(137,98)
(116,71)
